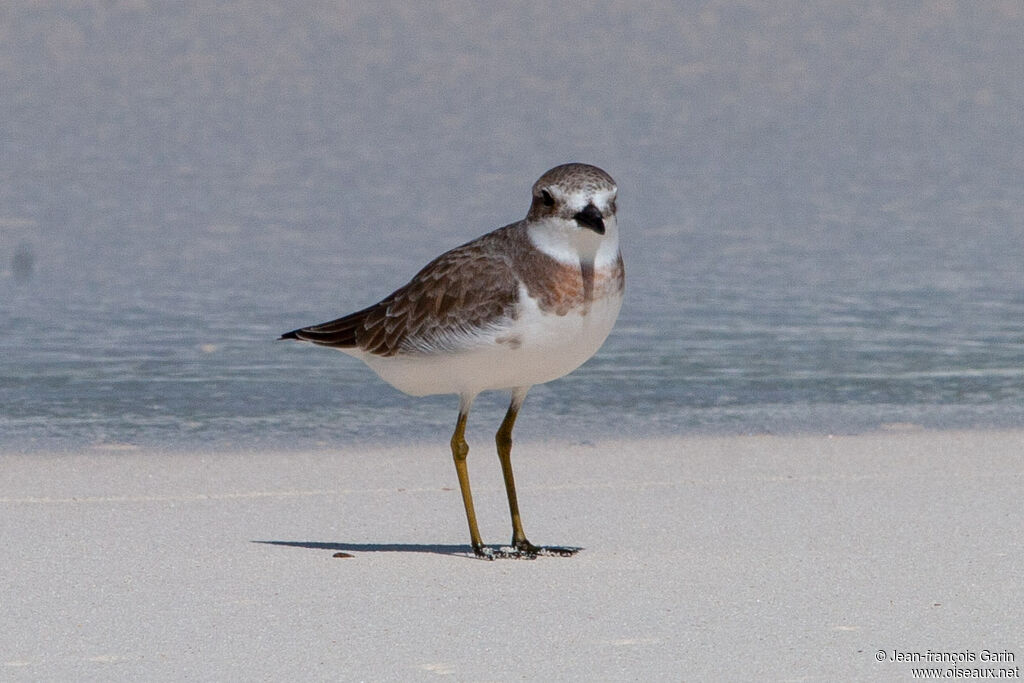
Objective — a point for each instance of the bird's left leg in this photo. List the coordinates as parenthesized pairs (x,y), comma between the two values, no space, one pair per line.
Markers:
(503,439)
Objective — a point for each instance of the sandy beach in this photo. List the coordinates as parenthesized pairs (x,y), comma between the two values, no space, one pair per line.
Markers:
(733,558)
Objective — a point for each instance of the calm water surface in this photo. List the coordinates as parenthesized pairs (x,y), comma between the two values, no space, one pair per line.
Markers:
(821,212)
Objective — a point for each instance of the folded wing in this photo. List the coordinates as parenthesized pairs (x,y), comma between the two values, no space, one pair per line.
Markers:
(443,308)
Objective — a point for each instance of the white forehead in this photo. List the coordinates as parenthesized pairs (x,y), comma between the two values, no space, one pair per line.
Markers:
(578,198)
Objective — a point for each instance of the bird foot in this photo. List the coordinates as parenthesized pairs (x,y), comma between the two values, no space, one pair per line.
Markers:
(523,550)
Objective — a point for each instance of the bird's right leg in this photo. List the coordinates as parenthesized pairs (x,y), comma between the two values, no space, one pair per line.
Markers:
(460,449)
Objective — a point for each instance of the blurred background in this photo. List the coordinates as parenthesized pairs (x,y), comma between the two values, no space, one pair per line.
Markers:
(820,208)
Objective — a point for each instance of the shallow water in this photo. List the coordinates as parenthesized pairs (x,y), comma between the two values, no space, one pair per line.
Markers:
(821,212)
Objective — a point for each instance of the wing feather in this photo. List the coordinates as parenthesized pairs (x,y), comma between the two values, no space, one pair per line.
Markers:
(467,290)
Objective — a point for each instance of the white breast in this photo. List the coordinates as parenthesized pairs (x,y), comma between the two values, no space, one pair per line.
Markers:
(536,348)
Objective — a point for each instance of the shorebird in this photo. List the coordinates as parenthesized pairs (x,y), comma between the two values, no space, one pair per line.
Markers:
(522,305)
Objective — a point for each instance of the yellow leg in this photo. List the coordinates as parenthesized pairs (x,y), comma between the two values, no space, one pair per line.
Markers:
(503,439)
(460,449)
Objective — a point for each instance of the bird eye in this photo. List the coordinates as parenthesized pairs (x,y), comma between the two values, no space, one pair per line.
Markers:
(547,198)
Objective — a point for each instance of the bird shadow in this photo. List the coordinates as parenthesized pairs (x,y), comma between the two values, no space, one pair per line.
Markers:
(463,551)
(432,549)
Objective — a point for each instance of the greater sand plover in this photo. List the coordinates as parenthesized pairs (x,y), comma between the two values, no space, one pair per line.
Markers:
(522,305)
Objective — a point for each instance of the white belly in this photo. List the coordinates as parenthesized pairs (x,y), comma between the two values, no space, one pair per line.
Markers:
(534,349)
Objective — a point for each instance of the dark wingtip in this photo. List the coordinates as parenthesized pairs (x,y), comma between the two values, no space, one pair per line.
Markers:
(340,333)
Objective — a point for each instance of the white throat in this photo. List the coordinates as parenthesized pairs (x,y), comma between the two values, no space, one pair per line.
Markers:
(568,243)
